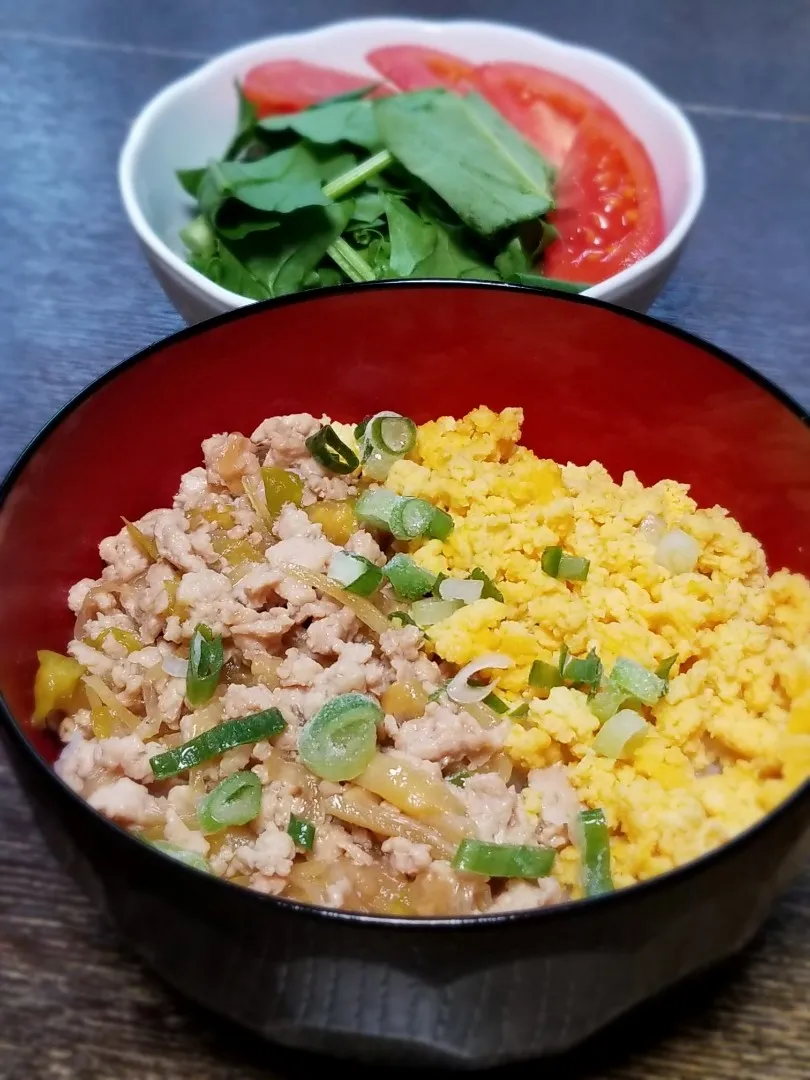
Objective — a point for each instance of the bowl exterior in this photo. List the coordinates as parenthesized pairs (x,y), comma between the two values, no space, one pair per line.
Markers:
(169,133)
(478,992)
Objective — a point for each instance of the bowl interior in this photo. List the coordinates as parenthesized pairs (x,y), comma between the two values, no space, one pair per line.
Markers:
(193,120)
(595,383)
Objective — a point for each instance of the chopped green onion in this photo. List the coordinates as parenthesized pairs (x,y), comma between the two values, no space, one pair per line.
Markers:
(409,581)
(341,738)
(496,704)
(503,860)
(573,568)
(665,667)
(490,590)
(594,844)
(402,617)
(439,693)
(392,434)
(557,564)
(215,741)
(637,681)
(360,430)
(412,518)
(457,779)
(520,710)
(464,589)
(188,858)
(585,671)
(377,465)
(437,584)
(564,653)
(431,611)
(607,701)
(355,573)
(375,508)
(550,560)
(621,735)
(329,450)
(544,676)
(205,660)
(235,801)
(302,832)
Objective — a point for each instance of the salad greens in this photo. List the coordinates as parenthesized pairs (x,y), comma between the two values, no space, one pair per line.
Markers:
(415,185)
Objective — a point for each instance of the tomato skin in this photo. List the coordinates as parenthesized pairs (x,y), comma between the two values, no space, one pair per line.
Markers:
(608,210)
(413,67)
(545,107)
(285,86)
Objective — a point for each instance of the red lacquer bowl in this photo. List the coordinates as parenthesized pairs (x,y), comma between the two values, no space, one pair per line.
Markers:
(595,383)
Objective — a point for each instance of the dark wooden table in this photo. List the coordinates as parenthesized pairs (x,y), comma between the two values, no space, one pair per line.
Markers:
(76,297)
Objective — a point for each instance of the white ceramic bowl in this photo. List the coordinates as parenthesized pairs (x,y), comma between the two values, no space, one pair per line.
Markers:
(192,119)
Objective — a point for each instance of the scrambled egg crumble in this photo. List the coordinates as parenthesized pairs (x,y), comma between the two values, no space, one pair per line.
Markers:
(729,740)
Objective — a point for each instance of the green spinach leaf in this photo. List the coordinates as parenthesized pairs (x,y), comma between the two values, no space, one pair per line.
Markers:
(245,124)
(342,121)
(467,153)
(412,238)
(190,180)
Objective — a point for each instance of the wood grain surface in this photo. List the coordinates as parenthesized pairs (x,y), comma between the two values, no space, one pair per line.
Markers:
(76,297)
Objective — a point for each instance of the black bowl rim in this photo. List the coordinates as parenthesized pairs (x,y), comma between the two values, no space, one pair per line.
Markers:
(567,910)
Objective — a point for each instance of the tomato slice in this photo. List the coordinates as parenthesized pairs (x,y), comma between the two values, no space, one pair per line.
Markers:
(413,67)
(545,107)
(284,86)
(608,205)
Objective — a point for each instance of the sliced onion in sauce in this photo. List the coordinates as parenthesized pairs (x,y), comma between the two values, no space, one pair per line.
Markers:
(459,689)
(175,666)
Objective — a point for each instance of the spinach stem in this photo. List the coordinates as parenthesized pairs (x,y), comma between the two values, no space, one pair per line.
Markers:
(351,179)
(353,265)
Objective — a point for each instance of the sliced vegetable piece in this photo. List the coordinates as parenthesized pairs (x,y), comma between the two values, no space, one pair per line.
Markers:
(503,860)
(394,435)
(284,86)
(413,791)
(355,573)
(665,667)
(433,610)
(122,716)
(637,681)
(402,617)
(543,676)
(365,611)
(329,450)
(459,688)
(546,107)
(341,739)
(520,710)
(583,671)
(335,517)
(496,704)
(573,568)
(409,581)
(490,590)
(302,832)
(216,741)
(141,541)
(411,518)
(550,560)
(281,487)
(608,213)
(594,844)
(55,683)
(404,700)
(458,779)
(376,507)
(621,735)
(607,701)
(360,807)
(235,801)
(677,552)
(205,659)
(125,638)
(188,858)
(414,67)
(468,591)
